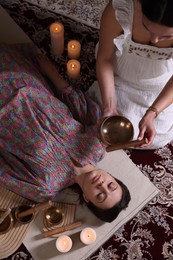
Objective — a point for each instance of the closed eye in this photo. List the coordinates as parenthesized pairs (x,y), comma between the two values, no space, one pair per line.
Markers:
(112,186)
(102,195)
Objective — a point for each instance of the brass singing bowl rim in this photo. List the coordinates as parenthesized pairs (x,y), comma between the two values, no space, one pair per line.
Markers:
(7,224)
(116,130)
(53,215)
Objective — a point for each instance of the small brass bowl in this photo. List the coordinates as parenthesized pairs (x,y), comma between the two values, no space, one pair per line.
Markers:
(116,130)
(7,224)
(53,215)
(26,219)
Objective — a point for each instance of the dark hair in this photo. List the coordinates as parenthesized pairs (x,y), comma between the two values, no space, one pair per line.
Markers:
(107,215)
(158,11)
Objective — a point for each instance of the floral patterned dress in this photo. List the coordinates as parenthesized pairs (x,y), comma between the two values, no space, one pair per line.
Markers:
(40,133)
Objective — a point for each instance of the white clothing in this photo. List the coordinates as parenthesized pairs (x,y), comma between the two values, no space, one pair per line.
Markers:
(141,72)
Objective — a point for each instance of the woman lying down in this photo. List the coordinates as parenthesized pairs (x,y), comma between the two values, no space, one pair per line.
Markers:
(49,143)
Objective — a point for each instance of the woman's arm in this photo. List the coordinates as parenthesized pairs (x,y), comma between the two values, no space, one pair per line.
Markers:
(165,98)
(109,29)
(146,125)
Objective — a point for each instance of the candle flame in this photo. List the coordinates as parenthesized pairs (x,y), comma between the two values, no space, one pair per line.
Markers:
(58,29)
(73,46)
(73,66)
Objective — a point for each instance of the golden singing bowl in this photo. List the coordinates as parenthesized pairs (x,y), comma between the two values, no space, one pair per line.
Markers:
(116,130)
(7,223)
(53,215)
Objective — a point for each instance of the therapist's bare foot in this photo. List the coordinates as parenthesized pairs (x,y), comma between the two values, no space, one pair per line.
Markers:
(48,69)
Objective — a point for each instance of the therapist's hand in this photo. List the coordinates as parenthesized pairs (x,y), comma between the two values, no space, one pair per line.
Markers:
(147,128)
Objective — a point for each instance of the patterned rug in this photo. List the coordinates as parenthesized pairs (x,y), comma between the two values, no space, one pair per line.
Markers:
(149,235)
(86,11)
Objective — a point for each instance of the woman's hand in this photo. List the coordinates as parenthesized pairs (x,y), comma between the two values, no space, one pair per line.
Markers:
(147,128)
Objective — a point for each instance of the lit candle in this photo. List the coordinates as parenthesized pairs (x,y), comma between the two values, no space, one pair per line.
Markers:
(73,49)
(88,236)
(73,68)
(64,244)
(57,38)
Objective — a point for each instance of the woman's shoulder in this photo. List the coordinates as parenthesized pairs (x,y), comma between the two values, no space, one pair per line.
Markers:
(109,21)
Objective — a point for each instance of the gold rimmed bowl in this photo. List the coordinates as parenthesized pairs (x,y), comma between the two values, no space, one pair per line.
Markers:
(116,130)
(25,219)
(53,216)
(7,223)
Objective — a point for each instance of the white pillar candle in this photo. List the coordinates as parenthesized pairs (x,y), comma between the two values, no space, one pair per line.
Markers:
(73,49)
(57,38)
(63,244)
(88,236)
(73,68)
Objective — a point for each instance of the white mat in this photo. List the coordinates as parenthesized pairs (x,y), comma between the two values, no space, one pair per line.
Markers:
(141,189)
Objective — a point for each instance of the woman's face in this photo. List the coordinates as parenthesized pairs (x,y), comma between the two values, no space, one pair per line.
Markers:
(157,32)
(100,188)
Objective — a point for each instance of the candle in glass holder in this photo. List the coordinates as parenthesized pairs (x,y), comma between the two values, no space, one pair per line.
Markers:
(73,68)
(57,38)
(73,49)
(64,244)
(88,236)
